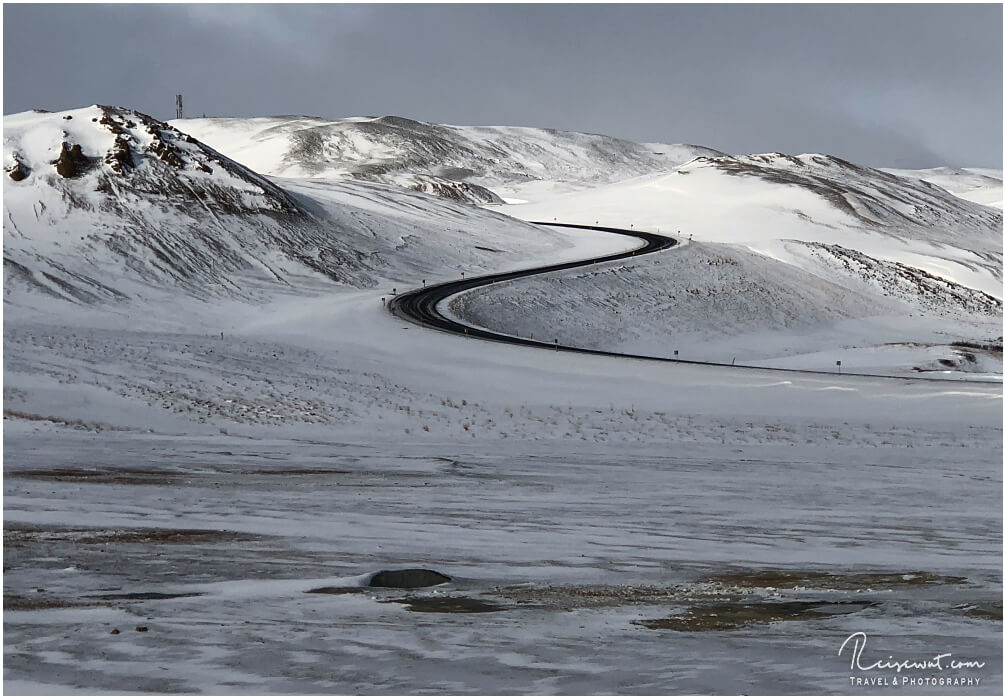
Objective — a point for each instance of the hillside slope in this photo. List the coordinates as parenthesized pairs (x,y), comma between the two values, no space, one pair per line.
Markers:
(104,204)
(795,261)
(760,200)
(980,185)
(462,162)
(716,302)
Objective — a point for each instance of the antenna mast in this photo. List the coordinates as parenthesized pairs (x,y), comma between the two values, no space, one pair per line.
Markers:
(178,106)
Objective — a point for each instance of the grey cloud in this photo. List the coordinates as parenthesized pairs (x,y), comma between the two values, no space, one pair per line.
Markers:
(899,85)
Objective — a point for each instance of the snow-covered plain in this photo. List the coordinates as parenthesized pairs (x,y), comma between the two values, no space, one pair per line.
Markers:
(192,464)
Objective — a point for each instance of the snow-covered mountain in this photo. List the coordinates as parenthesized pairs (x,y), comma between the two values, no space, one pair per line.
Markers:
(105,204)
(544,174)
(462,162)
(799,254)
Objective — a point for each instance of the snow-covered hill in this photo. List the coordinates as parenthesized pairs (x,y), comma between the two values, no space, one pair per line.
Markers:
(980,185)
(725,303)
(106,204)
(758,201)
(800,255)
(463,162)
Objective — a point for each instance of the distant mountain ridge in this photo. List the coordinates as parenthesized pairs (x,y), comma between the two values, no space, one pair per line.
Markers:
(460,162)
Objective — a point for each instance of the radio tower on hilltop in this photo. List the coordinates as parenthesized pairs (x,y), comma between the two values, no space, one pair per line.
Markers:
(178,106)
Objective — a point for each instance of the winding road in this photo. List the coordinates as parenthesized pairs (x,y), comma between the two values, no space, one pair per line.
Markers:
(420,306)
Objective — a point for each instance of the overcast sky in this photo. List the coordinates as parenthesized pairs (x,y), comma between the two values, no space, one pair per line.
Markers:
(899,86)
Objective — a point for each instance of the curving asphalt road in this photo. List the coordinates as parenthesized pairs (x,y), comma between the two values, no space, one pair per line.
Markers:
(420,306)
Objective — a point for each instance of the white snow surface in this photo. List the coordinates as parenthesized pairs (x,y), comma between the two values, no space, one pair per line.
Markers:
(191,461)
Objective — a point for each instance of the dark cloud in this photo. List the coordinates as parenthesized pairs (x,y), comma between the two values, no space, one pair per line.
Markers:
(898,85)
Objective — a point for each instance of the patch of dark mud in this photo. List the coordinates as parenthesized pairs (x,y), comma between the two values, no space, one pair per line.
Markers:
(21,536)
(23,603)
(81,295)
(989,611)
(993,346)
(599,596)
(295,472)
(820,580)
(449,605)
(336,591)
(146,558)
(728,616)
(101,476)
(142,596)
(408,578)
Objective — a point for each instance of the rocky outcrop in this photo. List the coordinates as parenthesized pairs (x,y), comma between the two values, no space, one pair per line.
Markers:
(120,157)
(458,191)
(71,161)
(17,171)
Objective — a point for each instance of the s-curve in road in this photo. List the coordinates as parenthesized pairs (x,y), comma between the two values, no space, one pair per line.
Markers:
(420,306)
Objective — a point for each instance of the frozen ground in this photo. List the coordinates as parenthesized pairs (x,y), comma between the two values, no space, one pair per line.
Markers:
(573,544)
(180,470)
(579,495)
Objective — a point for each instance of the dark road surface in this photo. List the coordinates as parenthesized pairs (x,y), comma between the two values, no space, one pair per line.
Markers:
(420,306)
